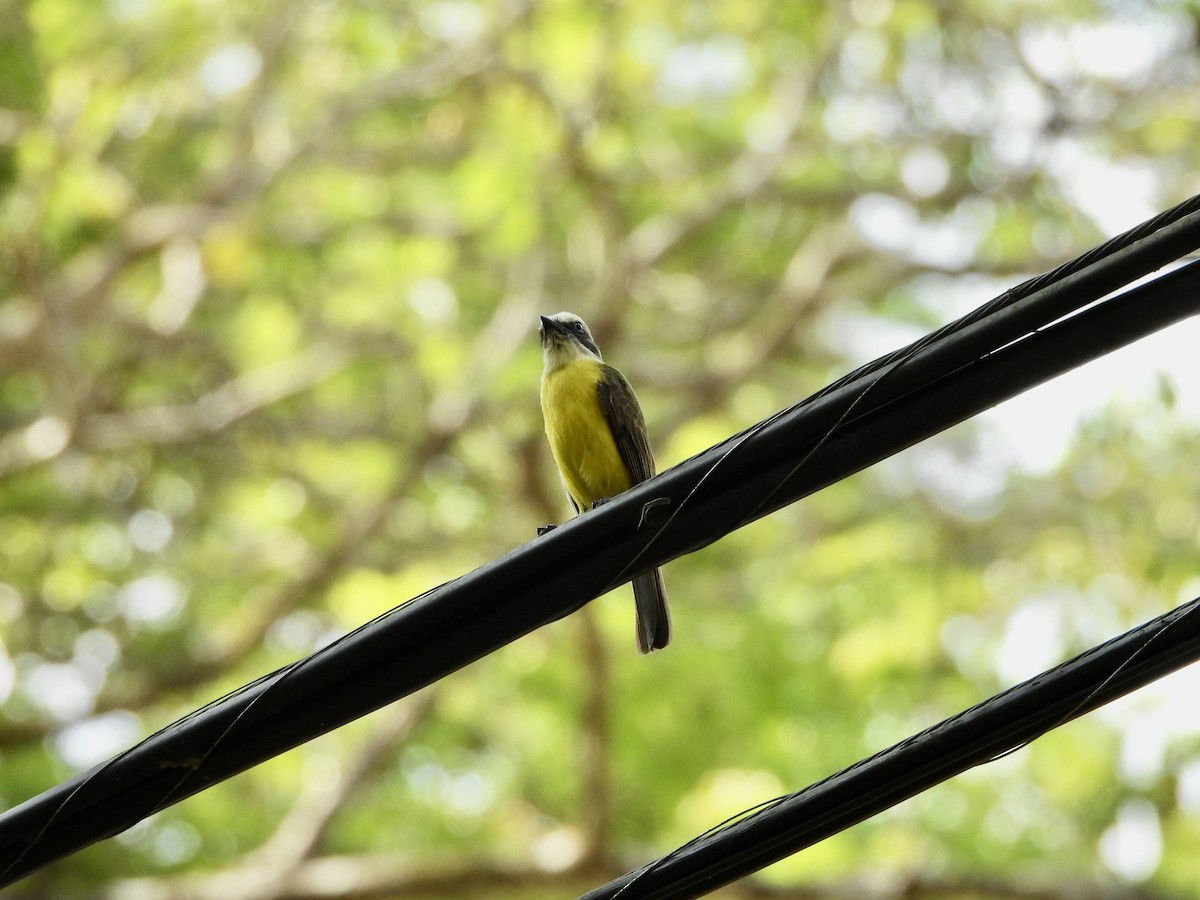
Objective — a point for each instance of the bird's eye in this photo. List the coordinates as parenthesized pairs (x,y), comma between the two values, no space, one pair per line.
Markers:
(579,327)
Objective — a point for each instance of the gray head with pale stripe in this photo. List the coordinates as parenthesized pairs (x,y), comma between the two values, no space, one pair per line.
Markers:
(566,338)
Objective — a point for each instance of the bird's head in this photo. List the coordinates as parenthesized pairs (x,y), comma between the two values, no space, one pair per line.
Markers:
(566,338)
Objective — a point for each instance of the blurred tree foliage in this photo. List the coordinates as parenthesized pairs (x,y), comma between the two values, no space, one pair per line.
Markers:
(268,367)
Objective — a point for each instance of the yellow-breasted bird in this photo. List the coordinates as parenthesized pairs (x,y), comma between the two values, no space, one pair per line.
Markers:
(598,438)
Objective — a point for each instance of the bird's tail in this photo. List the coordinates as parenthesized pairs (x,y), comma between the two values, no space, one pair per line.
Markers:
(653,617)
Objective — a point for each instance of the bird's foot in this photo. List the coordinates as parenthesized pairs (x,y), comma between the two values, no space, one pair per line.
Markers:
(596,504)
(545,529)
(652,512)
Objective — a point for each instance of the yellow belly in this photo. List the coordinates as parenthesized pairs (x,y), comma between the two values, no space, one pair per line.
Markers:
(580,439)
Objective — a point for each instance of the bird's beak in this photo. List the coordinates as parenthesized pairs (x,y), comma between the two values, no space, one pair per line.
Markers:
(549,326)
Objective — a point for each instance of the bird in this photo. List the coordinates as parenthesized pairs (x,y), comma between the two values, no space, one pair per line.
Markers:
(599,443)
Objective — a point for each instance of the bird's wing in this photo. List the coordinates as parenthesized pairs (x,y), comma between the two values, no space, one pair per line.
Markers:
(626,423)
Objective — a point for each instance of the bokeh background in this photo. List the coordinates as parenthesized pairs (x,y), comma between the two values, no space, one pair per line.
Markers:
(269,290)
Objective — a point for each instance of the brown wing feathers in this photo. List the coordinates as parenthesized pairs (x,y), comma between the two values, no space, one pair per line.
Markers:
(625,420)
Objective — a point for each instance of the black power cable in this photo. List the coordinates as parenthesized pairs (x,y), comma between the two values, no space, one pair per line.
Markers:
(906,397)
(978,735)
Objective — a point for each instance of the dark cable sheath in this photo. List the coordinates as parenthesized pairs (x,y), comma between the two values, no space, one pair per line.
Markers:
(980,734)
(1115,263)
(933,385)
